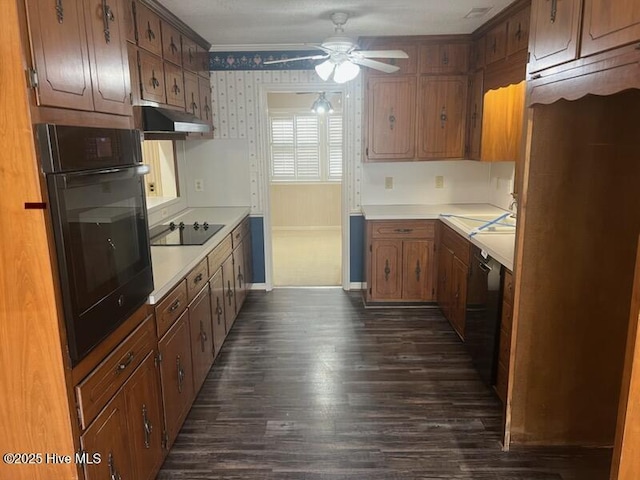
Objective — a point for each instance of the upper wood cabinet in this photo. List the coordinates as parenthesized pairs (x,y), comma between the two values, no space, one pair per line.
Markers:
(609,24)
(502,123)
(391,110)
(174,84)
(171,43)
(190,55)
(202,352)
(79,55)
(447,58)
(192,93)
(441,116)
(496,43)
(474,115)
(148,31)
(152,79)
(518,31)
(554,33)
(205,111)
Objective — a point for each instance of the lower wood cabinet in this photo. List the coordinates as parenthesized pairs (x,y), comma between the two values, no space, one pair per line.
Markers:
(453,272)
(144,419)
(400,263)
(177,375)
(504,353)
(229,290)
(217,310)
(202,353)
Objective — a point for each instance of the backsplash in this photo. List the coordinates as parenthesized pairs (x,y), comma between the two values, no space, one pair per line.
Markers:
(501,184)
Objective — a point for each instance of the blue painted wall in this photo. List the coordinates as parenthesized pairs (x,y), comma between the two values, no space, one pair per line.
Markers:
(356,247)
(257,247)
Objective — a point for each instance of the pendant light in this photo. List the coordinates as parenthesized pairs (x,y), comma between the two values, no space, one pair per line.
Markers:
(322,105)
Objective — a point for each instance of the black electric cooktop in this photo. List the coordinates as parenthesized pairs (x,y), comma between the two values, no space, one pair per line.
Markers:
(182,234)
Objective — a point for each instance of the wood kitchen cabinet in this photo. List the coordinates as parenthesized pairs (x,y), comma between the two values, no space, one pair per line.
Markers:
(192,93)
(502,377)
(391,116)
(518,31)
(496,44)
(190,55)
(453,272)
(229,292)
(607,25)
(441,116)
(554,33)
(176,371)
(174,84)
(202,343)
(475,115)
(400,263)
(148,31)
(503,123)
(171,43)
(204,89)
(444,58)
(152,79)
(217,311)
(79,55)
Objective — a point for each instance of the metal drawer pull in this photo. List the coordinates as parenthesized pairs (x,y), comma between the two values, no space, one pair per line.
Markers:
(150,34)
(175,306)
(240,277)
(148,427)
(387,270)
(403,230)
(198,278)
(127,361)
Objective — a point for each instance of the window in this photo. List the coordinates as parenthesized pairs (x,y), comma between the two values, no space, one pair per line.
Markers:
(306,147)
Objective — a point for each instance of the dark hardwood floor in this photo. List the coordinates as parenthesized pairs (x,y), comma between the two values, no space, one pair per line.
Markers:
(310,385)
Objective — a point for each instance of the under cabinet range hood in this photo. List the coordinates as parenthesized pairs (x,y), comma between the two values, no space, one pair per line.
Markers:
(164,120)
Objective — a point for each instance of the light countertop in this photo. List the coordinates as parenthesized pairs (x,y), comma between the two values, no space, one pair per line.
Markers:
(500,246)
(170,264)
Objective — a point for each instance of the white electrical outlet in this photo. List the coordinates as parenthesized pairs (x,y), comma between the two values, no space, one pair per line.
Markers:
(388,183)
(199,185)
(439,181)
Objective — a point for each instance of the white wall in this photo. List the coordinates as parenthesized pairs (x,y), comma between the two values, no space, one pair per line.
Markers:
(501,184)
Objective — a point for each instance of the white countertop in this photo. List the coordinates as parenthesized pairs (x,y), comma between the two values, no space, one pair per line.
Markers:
(500,246)
(171,264)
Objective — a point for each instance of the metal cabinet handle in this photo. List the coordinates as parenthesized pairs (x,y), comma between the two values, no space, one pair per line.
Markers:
(175,88)
(203,336)
(392,121)
(443,117)
(554,11)
(387,270)
(198,278)
(172,46)
(59,11)
(240,277)
(181,374)
(229,291)
(124,364)
(150,33)
(113,472)
(418,270)
(174,306)
(403,230)
(518,33)
(154,81)
(148,427)
(218,309)
(107,16)
(445,58)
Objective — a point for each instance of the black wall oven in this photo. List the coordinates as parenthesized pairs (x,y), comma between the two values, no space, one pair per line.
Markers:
(99,216)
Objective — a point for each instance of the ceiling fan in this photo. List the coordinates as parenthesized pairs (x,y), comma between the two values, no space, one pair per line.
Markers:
(342,57)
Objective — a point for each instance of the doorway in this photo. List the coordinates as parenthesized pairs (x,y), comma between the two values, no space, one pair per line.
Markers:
(305,187)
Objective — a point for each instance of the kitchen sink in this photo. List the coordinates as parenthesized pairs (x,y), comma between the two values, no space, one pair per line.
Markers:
(485,223)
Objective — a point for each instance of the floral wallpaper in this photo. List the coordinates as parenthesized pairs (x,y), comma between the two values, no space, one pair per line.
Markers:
(255,60)
(237,98)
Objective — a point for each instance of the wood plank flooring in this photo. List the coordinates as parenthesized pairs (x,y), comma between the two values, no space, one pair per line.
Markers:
(310,385)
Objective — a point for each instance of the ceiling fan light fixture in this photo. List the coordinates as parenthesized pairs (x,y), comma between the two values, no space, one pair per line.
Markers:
(322,105)
(325,69)
(345,72)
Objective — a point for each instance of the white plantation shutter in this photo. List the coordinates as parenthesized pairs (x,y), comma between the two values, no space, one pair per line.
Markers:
(334,132)
(303,148)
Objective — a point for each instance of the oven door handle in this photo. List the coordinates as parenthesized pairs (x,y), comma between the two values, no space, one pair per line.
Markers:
(79,179)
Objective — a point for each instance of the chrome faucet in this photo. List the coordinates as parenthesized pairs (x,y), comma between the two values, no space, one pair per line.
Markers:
(513,205)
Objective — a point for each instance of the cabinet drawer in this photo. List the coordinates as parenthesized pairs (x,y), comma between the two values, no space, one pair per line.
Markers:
(424,229)
(456,243)
(171,43)
(197,278)
(219,254)
(169,309)
(507,317)
(507,289)
(103,382)
(239,232)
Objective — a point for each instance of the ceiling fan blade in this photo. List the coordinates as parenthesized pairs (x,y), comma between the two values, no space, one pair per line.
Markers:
(310,57)
(383,67)
(381,53)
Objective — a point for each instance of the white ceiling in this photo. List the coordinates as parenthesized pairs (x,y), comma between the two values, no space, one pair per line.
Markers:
(278,23)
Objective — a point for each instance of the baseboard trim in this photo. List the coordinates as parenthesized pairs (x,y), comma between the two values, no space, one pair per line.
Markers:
(357,286)
(258,286)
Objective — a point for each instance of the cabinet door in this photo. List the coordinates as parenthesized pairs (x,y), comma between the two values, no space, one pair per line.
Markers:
(239,272)
(441,118)
(108,57)
(444,283)
(553,37)
(496,44)
(144,419)
(177,375)
(204,86)
(201,337)
(502,123)
(459,271)
(190,55)
(518,31)
(229,292)
(191,94)
(174,84)
(474,115)
(391,118)
(151,77)
(203,62)
(217,310)
(450,58)
(609,24)
(107,436)
(148,29)
(417,268)
(171,44)
(386,270)
(60,54)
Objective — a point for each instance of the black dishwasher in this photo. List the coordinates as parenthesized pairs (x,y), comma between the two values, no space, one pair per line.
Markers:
(483,310)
